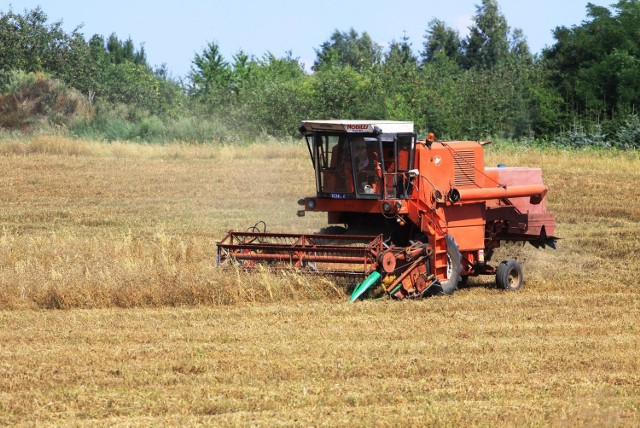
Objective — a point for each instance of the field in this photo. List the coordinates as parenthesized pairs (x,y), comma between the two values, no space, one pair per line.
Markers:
(112,310)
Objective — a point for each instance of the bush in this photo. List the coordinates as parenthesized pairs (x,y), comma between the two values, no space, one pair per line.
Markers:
(35,99)
(579,136)
(117,122)
(151,129)
(628,136)
(200,129)
(104,128)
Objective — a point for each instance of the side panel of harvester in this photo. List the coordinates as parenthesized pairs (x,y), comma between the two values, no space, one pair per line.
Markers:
(443,167)
(478,207)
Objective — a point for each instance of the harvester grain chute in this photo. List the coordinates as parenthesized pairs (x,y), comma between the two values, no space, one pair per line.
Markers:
(418,216)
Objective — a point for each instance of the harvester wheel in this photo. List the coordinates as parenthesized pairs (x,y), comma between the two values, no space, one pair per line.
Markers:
(509,275)
(454,266)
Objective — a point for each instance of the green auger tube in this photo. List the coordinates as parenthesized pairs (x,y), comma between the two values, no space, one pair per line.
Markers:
(364,286)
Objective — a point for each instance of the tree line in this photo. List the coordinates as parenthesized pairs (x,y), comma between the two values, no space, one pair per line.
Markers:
(582,90)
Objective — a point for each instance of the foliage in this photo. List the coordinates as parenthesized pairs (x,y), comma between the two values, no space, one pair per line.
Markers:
(485,85)
(487,44)
(399,82)
(28,43)
(31,100)
(440,40)
(120,123)
(120,51)
(111,69)
(596,66)
(580,136)
(272,98)
(210,74)
(628,135)
(357,51)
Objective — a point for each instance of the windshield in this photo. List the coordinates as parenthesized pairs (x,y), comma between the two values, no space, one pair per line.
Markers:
(346,165)
(362,166)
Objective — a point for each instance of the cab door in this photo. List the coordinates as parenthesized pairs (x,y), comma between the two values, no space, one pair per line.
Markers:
(398,154)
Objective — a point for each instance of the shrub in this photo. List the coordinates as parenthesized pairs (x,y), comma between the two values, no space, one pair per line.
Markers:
(151,129)
(32,99)
(628,136)
(580,136)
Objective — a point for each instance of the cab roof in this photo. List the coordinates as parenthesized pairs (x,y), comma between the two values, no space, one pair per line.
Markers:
(357,126)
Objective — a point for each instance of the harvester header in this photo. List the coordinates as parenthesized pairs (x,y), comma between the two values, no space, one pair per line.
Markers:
(426,214)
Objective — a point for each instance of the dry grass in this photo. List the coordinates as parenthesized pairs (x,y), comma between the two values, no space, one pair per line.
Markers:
(95,225)
(99,225)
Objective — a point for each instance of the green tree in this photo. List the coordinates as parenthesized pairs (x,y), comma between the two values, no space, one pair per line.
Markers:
(30,44)
(519,48)
(76,67)
(242,70)
(344,93)
(400,52)
(210,77)
(348,49)
(399,80)
(488,42)
(440,41)
(270,94)
(120,51)
(596,66)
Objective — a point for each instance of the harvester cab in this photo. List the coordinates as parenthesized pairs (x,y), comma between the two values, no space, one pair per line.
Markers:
(360,160)
(418,217)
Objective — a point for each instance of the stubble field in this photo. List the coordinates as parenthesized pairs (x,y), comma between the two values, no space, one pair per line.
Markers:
(112,310)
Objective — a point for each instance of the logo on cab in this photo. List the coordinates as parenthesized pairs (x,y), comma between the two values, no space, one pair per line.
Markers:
(357,128)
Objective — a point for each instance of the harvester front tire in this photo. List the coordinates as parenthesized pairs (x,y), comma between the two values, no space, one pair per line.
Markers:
(509,275)
(454,266)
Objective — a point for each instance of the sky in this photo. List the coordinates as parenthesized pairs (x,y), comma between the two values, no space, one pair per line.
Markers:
(172,32)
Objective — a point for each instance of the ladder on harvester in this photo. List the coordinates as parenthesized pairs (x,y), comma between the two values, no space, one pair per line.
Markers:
(441,263)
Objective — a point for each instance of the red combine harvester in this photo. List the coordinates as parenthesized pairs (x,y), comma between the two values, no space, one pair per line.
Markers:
(418,216)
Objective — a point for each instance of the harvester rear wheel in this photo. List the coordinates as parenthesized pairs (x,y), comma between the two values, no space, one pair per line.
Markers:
(509,275)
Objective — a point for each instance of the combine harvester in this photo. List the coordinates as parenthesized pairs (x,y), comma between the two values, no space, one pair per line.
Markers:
(419,217)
